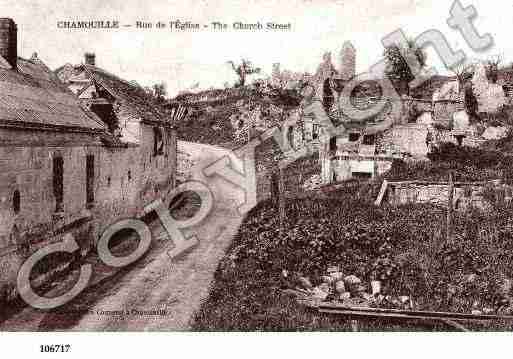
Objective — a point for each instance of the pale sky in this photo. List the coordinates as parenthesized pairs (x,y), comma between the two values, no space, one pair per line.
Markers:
(181,59)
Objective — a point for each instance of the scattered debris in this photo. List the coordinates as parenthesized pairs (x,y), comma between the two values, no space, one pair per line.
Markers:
(340,287)
(495,133)
(313,183)
(351,291)
(305,282)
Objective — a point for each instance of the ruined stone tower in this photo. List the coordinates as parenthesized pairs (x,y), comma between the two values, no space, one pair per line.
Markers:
(325,70)
(276,74)
(8,41)
(347,68)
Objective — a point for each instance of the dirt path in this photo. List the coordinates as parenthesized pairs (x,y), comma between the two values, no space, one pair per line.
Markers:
(156,292)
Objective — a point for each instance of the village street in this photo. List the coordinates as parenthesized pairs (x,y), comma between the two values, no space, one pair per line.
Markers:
(156,292)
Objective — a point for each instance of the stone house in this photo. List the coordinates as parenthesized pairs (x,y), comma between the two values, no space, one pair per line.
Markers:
(139,122)
(71,165)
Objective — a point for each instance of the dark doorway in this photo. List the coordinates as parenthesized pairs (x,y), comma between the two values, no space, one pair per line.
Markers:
(290,136)
(353,137)
(158,145)
(333,144)
(16,202)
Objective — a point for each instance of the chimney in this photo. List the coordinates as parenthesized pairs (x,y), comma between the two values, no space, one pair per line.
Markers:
(90,58)
(8,41)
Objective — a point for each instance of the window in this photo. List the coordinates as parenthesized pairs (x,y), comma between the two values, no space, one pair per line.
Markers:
(16,202)
(129,175)
(362,175)
(58,183)
(315,131)
(158,142)
(459,139)
(368,139)
(353,137)
(290,136)
(89,180)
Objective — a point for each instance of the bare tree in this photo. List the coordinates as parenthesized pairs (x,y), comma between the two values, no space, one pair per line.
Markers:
(243,70)
(159,91)
(492,68)
(464,73)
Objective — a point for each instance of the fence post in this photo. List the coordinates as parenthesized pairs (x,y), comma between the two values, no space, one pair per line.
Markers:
(281,198)
(450,209)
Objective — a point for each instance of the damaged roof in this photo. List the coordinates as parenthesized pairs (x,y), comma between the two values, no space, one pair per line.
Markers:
(31,96)
(134,101)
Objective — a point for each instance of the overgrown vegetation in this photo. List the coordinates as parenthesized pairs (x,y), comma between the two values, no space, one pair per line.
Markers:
(209,122)
(404,247)
(468,164)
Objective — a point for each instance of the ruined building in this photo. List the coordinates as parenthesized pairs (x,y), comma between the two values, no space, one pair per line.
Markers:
(404,128)
(347,69)
(138,123)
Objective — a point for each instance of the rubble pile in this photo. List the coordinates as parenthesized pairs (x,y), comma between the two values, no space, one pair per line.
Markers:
(313,183)
(351,291)
(345,289)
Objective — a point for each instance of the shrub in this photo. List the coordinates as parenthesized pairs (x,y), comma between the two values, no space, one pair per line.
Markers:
(467,164)
(470,156)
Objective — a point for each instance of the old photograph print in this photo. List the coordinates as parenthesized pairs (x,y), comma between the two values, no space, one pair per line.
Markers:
(256,165)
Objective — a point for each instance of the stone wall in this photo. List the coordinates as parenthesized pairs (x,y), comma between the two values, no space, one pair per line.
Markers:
(465,195)
(444,110)
(343,168)
(409,138)
(158,173)
(29,171)
(26,168)
(294,175)
(125,180)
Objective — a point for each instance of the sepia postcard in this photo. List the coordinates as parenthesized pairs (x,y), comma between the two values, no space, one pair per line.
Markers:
(255,166)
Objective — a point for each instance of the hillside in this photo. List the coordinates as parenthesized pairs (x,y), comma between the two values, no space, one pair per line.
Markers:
(216,115)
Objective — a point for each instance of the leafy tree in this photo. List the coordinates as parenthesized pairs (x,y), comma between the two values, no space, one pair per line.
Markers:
(397,69)
(244,69)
